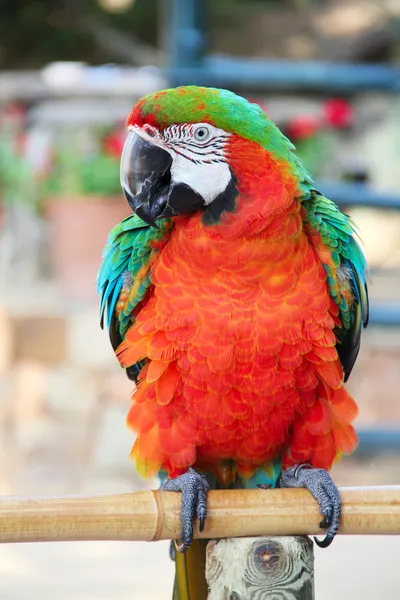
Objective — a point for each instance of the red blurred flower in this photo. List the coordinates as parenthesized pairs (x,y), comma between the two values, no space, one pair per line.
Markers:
(260,103)
(12,125)
(14,114)
(338,113)
(113,143)
(302,127)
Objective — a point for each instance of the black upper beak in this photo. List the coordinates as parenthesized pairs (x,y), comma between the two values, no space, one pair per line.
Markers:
(146,181)
(145,177)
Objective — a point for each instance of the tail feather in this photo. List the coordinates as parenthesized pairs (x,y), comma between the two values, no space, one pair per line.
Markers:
(190,582)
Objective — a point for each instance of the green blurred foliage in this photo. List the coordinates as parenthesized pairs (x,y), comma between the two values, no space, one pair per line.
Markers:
(17,181)
(74,177)
(81,167)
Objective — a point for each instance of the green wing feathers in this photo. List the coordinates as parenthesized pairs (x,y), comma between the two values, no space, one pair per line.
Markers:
(332,233)
(125,275)
(190,582)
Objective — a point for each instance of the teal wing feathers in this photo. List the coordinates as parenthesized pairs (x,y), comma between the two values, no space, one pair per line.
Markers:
(333,235)
(124,278)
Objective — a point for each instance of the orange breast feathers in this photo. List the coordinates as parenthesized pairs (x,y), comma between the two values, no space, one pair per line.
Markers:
(238,333)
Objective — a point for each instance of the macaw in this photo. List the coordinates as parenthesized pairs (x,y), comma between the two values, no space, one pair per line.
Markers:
(235,296)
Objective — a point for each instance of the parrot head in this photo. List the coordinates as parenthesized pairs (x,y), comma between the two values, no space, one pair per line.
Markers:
(189,148)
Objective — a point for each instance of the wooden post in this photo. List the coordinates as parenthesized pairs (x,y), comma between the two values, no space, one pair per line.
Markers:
(261,568)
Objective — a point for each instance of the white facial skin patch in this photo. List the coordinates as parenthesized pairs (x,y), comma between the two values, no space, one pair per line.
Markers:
(198,153)
(209,180)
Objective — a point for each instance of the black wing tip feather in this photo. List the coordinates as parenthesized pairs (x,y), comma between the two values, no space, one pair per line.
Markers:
(366,308)
(349,347)
(348,351)
(101,304)
(134,371)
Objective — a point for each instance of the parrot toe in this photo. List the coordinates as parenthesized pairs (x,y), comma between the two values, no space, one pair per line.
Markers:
(194,488)
(321,486)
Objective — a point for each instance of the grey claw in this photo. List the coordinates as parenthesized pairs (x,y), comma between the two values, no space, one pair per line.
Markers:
(327,520)
(323,524)
(327,541)
(201,524)
(172,550)
(321,486)
(194,488)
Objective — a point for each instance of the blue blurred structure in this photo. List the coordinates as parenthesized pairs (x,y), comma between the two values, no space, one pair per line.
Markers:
(284,75)
(358,194)
(186,47)
(378,441)
(186,42)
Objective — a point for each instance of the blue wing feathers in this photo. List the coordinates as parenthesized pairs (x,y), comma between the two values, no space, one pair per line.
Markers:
(127,251)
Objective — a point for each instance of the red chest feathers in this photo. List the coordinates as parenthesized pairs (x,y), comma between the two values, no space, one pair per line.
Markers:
(239,336)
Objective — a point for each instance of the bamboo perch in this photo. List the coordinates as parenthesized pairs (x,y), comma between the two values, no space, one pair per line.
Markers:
(154,515)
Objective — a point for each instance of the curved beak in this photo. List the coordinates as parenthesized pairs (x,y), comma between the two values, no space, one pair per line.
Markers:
(147,184)
(145,177)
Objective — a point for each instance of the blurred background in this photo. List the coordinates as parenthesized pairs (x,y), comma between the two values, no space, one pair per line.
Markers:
(327,71)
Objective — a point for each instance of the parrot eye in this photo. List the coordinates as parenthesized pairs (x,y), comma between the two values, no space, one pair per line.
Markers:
(202,133)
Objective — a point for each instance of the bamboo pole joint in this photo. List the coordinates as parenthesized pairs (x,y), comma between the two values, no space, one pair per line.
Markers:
(155,515)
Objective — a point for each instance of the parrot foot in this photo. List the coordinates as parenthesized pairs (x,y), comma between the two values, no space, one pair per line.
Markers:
(321,486)
(194,488)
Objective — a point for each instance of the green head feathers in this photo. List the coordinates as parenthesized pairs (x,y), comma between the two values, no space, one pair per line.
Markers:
(222,108)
